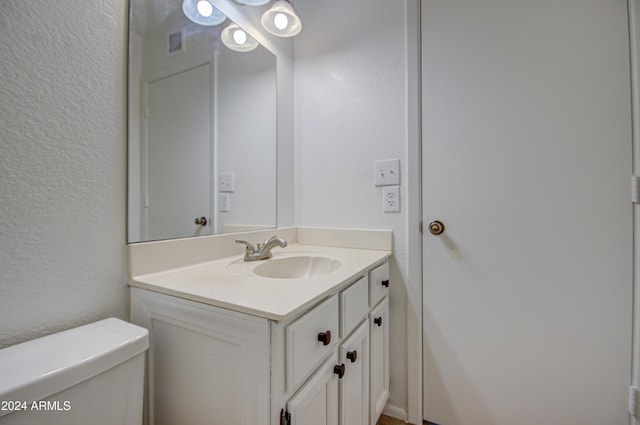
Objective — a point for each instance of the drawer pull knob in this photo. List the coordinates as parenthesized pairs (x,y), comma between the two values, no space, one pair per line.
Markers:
(339,370)
(385,283)
(352,355)
(325,337)
(378,321)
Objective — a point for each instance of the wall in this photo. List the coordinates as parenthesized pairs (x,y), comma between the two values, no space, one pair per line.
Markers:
(62,165)
(350,110)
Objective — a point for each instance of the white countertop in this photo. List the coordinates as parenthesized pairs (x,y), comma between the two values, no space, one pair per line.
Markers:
(230,282)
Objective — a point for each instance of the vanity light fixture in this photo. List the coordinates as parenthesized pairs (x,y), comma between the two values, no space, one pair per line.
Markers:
(237,39)
(281,19)
(202,12)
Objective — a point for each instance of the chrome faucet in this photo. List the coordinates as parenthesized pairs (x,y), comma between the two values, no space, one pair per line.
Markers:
(263,250)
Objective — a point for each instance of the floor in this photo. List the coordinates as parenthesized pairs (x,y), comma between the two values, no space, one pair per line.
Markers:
(387,420)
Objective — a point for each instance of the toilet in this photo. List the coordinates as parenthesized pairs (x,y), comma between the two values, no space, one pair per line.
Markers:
(90,375)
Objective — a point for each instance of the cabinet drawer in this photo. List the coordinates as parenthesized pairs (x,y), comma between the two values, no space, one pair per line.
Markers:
(379,280)
(354,305)
(309,339)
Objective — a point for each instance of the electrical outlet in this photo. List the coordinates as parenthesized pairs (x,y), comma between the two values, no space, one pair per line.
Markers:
(391,199)
(225,182)
(386,172)
(224,202)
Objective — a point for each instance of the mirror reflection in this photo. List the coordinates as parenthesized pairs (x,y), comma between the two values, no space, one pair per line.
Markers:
(202,125)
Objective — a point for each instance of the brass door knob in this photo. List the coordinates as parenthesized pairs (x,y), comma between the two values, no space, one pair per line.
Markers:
(436,227)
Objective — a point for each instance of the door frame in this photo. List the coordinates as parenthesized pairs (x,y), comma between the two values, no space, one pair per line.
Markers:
(634,51)
(414,210)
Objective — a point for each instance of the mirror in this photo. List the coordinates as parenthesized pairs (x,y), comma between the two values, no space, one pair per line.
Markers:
(202,128)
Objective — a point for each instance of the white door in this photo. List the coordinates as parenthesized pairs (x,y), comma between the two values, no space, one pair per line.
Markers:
(526,160)
(178,154)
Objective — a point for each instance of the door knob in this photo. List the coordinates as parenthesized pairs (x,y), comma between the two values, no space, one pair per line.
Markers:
(202,221)
(436,227)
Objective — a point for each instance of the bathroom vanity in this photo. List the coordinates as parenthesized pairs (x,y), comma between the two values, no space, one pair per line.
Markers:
(301,338)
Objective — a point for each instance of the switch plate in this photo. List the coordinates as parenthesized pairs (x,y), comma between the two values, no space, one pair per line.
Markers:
(391,199)
(225,182)
(224,202)
(386,172)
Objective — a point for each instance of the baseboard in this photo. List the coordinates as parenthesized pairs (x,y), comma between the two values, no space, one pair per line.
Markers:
(395,412)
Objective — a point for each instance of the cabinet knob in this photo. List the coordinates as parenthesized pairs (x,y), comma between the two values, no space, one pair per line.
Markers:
(325,337)
(378,321)
(339,370)
(352,355)
(385,283)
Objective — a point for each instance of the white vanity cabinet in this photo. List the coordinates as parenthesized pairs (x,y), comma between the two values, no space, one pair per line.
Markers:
(363,383)
(328,365)
(205,364)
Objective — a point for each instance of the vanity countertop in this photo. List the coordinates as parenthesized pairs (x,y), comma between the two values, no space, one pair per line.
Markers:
(231,283)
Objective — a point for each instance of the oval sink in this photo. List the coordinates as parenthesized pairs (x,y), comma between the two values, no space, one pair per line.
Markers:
(297,267)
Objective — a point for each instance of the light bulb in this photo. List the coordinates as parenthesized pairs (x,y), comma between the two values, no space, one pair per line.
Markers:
(239,36)
(280,21)
(204,8)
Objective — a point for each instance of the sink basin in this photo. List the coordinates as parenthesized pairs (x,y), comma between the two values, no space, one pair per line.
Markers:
(297,267)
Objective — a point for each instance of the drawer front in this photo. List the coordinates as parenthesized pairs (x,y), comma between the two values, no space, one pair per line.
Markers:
(354,305)
(310,339)
(379,280)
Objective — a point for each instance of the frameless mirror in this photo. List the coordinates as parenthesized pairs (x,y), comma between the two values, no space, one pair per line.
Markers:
(202,127)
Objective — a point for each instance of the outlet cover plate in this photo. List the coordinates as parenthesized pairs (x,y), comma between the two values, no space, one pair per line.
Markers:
(224,202)
(386,172)
(391,199)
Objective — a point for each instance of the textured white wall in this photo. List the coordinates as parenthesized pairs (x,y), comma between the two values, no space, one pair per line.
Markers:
(62,165)
(350,110)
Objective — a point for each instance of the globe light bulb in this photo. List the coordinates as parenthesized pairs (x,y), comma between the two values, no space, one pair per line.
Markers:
(280,21)
(204,8)
(239,36)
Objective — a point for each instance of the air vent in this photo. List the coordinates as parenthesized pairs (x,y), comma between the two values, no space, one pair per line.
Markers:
(175,43)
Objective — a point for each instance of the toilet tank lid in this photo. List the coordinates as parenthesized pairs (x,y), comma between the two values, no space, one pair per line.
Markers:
(39,368)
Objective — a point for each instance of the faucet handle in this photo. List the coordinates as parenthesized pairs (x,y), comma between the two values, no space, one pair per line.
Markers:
(249,248)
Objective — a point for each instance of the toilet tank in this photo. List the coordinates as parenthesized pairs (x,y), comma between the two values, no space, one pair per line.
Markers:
(90,375)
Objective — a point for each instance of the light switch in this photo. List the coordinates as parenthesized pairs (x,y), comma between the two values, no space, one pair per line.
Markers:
(386,172)
(225,182)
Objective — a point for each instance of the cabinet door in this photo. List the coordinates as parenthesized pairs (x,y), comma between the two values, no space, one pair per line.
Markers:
(379,334)
(354,385)
(316,403)
(205,364)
